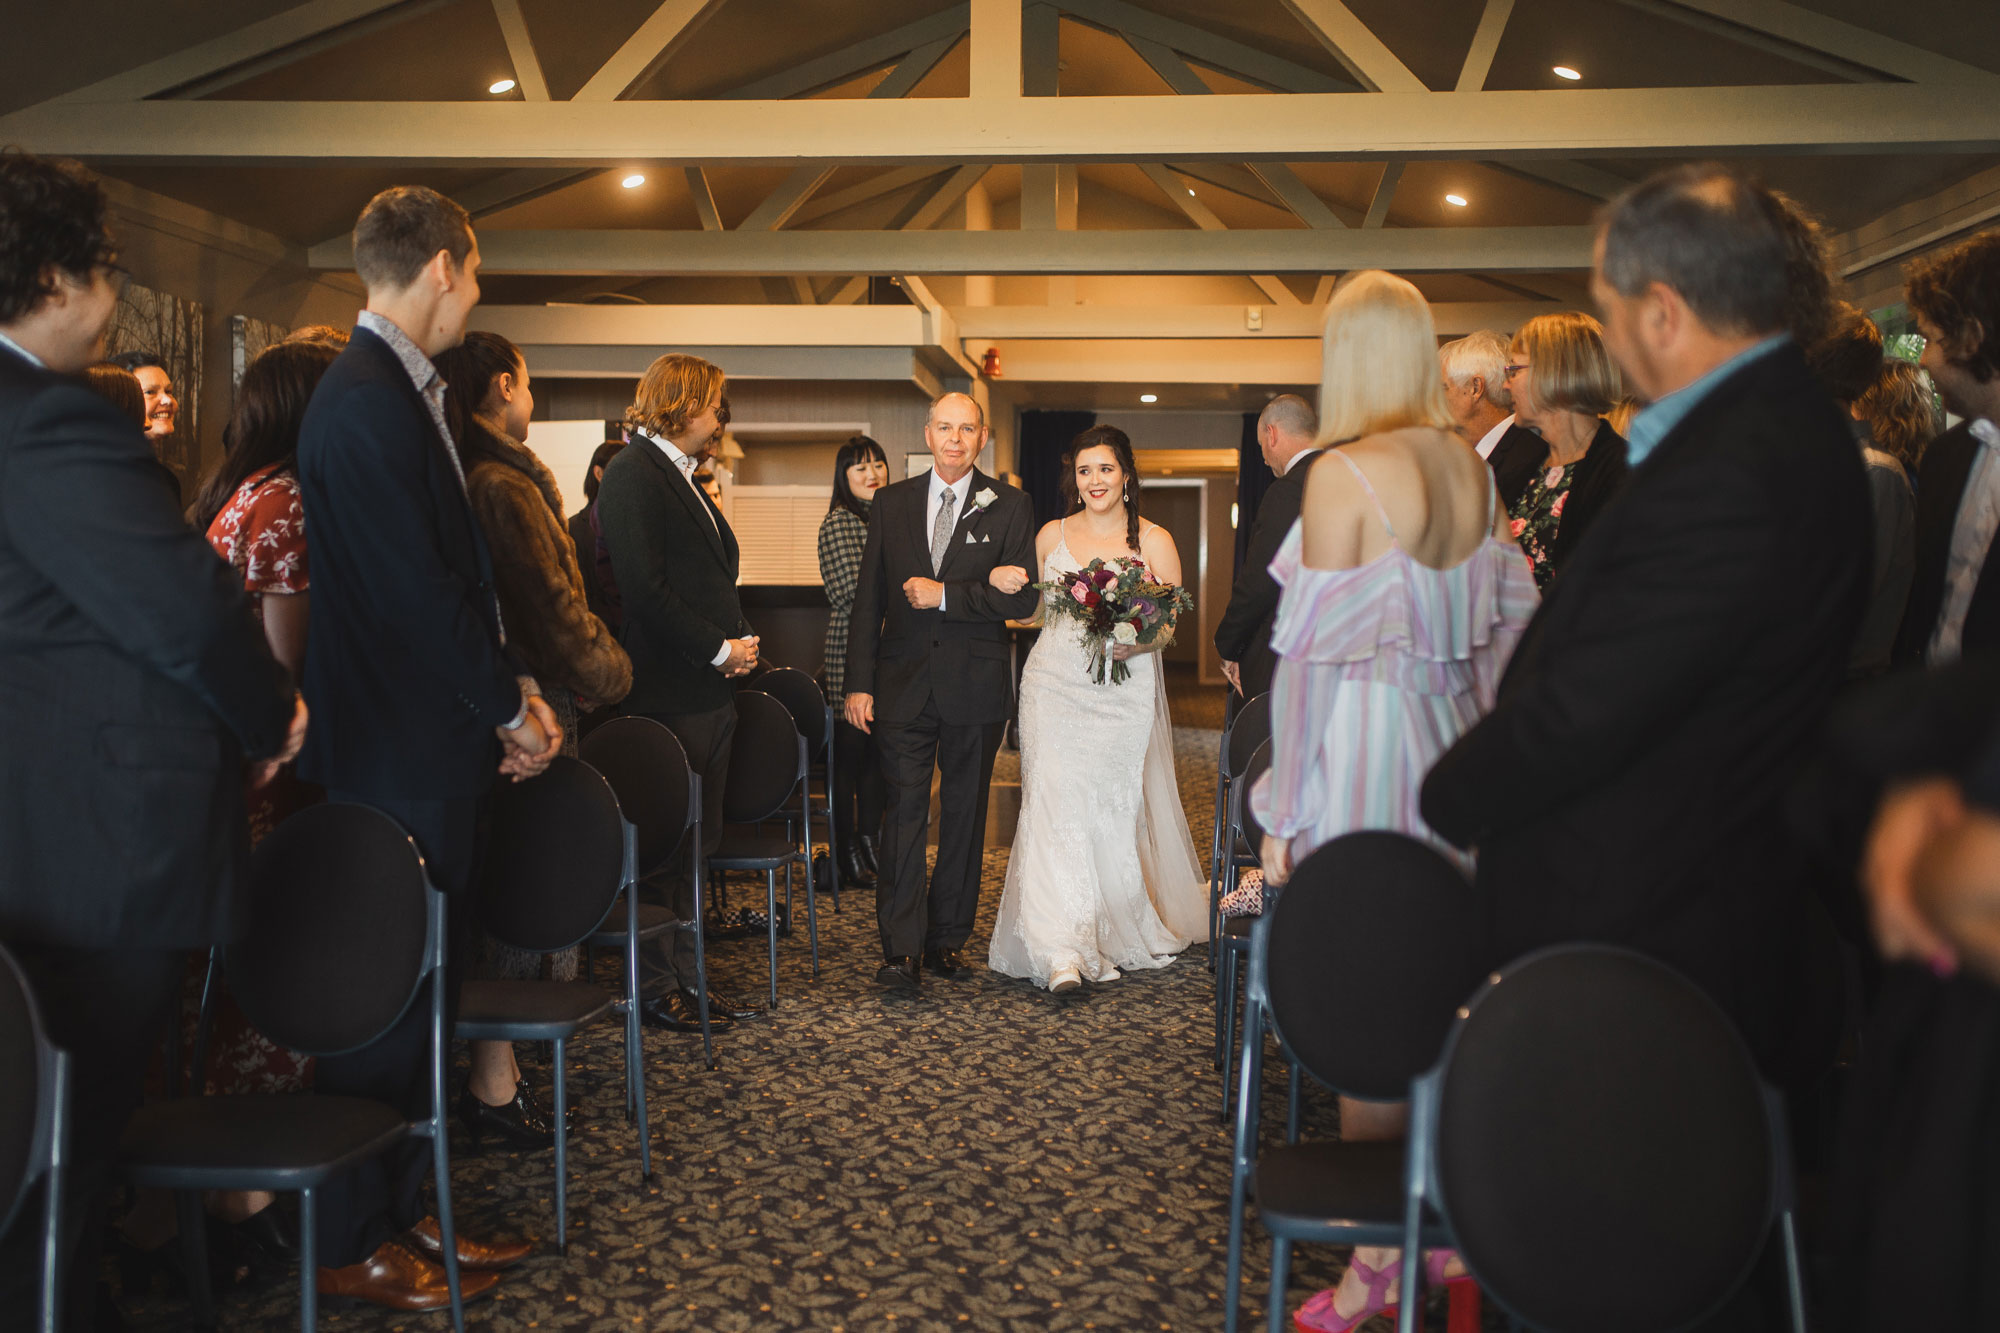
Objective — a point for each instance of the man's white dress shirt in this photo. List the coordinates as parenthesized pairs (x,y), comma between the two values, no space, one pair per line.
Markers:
(1971,536)
(959,490)
(1491,438)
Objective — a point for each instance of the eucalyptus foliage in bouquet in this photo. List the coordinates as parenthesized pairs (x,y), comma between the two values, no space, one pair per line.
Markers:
(1117,601)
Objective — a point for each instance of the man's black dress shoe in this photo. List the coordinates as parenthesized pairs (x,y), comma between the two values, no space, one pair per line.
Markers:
(853,873)
(945,962)
(719,1003)
(865,844)
(676,1012)
(520,1123)
(899,973)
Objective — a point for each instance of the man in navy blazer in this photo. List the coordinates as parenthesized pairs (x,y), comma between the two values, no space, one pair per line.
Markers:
(134,682)
(408,672)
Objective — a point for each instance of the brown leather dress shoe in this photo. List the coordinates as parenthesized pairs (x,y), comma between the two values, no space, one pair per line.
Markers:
(474,1256)
(397,1277)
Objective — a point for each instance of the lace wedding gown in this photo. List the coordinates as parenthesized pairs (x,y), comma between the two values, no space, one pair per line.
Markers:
(1103,874)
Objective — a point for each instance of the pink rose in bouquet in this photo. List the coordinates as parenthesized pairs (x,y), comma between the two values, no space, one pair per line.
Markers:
(1117,601)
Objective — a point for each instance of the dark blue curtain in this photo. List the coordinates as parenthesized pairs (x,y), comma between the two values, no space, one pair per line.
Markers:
(1044,439)
(1253,478)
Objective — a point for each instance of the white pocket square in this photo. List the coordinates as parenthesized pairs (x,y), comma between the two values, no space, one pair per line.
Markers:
(987,538)
(971,540)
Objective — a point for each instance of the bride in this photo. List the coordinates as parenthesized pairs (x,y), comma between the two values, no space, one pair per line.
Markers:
(1103,874)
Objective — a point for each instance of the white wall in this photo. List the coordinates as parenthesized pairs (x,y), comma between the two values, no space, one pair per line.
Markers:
(565,447)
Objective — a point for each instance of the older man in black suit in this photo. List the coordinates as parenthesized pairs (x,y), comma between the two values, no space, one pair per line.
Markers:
(927,663)
(407,669)
(1286,435)
(134,682)
(1628,787)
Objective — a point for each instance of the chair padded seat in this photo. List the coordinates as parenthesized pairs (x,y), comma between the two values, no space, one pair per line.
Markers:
(528,1010)
(274,1141)
(747,849)
(1321,1188)
(654,921)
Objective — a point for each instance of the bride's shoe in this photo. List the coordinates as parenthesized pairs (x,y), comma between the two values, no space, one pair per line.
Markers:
(1064,980)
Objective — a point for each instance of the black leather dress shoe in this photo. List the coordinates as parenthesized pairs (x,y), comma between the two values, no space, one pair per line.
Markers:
(854,874)
(946,962)
(899,973)
(676,1012)
(872,863)
(719,1003)
(520,1123)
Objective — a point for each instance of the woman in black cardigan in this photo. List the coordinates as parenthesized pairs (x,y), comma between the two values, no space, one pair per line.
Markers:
(1563,382)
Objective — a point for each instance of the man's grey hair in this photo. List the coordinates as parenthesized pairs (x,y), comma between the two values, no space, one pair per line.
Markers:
(1722,240)
(1292,415)
(931,415)
(1484,354)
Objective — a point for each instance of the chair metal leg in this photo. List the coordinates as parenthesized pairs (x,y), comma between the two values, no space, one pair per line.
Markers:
(637,1091)
(1243,1161)
(696,870)
(1795,1284)
(812,915)
(1281,1274)
(1292,1107)
(771,927)
(1231,967)
(194,1253)
(562,1150)
(308,1261)
(54,1182)
(447,1230)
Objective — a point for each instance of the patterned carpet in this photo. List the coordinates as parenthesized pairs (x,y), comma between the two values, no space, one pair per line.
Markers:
(986,1157)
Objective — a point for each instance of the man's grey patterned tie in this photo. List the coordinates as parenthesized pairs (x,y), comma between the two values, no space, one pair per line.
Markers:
(941,530)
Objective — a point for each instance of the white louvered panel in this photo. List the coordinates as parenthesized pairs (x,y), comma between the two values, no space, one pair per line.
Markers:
(777,530)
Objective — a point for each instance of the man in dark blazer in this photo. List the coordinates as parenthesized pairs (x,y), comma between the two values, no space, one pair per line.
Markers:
(1954,602)
(407,669)
(583,535)
(927,668)
(674,557)
(1481,404)
(1628,787)
(1285,432)
(134,683)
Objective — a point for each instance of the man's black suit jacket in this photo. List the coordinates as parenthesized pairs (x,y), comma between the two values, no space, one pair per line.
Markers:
(676,573)
(1941,482)
(406,675)
(1628,786)
(958,655)
(1517,447)
(1244,634)
(133,681)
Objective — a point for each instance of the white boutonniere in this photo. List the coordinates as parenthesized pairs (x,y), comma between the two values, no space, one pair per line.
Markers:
(984,498)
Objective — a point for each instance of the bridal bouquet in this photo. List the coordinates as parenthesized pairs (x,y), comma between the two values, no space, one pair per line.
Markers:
(1117,601)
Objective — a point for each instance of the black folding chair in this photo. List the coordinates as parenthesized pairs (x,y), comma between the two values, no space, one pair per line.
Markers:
(1248,728)
(556,860)
(767,765)
(34,1126)
(1357,967)
(344,930)
(801,696)
(1244,835)
(659,797)
(1600,1148)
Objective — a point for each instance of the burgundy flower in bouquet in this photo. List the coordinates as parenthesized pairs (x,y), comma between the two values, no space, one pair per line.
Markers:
(1117,602)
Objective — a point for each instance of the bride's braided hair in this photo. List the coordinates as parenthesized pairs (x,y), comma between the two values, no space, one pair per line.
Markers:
(1120,444)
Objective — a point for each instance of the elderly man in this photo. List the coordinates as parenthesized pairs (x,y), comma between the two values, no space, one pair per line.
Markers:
(1628,786)
(1286,432)
(1475,387)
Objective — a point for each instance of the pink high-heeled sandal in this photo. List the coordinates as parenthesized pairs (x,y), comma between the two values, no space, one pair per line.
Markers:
(1319,1314)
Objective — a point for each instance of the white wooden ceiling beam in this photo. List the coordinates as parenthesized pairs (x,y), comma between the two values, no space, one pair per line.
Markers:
(705,210)
(1205,48)
(1355,46)
(1245,251)
(934,201)
(521,50)
(996,49)
(1204,217)
(1212,321)
(1522,125)
(664,30)
(857,58)
(1385,194)
(888,182)
(1814,39)
(1485,42)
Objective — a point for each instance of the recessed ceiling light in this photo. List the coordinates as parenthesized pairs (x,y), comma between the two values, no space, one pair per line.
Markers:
(1565,72)
(1455,200)
(1149,398)
(633,181)
(1190,191)
(500,86)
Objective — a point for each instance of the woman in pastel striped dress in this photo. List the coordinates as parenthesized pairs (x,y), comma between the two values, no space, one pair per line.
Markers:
(1403,596)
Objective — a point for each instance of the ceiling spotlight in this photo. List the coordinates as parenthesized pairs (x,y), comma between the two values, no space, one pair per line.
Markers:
(1190,191)
(1149,398)
(633,181)
(1565,72)
(500,86)
(1455,200)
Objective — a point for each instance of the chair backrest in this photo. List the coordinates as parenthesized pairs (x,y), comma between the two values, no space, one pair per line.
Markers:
(800,694)
(648,771)
(1369,951)
(555,858)
(1251,729)
(26,1078)
(340,930)
(766,759)
(1603,1149)
(1255,765)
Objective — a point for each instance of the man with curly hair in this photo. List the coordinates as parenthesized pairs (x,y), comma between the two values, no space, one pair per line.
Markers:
(1955,599)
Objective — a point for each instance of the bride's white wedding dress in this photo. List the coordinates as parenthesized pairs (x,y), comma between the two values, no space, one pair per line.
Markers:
(1103,874)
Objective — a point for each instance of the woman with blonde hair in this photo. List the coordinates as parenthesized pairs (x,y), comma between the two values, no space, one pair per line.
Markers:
(1403,597)
(1564,383)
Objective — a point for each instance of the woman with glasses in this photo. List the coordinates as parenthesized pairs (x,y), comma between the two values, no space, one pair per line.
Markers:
(1563,382)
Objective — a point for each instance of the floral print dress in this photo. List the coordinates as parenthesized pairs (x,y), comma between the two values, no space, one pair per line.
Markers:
(1537,515)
